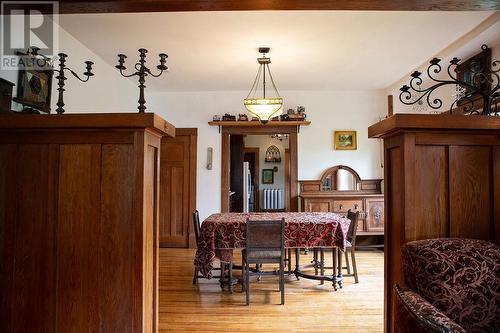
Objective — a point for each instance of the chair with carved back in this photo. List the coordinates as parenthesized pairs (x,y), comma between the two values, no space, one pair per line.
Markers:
(265,244)
(350,247)
(223,265)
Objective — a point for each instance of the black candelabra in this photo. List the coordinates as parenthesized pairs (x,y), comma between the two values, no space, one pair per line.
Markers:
(482,81)
(142,71)
(61,78)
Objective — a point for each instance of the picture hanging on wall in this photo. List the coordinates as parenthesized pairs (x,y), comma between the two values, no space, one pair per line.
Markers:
(345,140)
(267,176)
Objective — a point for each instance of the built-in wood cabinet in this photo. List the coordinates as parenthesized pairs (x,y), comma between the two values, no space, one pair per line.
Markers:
(79,222)
(442,175)
(365,196)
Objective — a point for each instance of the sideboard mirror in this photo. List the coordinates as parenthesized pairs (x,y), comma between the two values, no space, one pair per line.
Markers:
(340,178)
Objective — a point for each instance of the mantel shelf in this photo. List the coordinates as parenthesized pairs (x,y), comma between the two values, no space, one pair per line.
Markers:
(258,123)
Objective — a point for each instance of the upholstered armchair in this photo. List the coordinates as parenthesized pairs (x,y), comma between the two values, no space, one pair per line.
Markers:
(451,285)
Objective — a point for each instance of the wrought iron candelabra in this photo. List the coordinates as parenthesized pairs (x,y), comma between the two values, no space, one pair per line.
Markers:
(484,82)
(61,78)
(142,71)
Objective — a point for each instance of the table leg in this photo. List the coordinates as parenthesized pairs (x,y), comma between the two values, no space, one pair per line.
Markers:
(315,261)
(334,267)
(339,275)
(297,256)
(321,264)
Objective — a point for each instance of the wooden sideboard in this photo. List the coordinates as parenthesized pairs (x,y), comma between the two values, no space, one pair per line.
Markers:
(79,222)
(367,198)
(442,179)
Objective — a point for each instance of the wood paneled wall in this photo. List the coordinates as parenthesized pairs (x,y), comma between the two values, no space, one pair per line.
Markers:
(79,224)
(442,179)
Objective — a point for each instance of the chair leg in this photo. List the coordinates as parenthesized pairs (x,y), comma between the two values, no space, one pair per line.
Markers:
(289,261)
(354,268)
(282,282)
(243,275)
(297,261)
(322,263)
(230,269)
(315,260)
(347,261)
(195,276)
(247,284)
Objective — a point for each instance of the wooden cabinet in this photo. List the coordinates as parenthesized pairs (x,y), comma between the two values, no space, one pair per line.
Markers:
(79,222)
(365,196)
(370,206)
(442,176)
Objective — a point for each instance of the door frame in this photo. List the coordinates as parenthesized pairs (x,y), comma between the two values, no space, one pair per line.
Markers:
(226,131)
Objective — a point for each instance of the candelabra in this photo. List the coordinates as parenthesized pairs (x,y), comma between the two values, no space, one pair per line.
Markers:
(61,78)
(142,71)
(482,81)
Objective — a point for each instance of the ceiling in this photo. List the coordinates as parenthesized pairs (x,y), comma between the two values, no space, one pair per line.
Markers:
(310,50)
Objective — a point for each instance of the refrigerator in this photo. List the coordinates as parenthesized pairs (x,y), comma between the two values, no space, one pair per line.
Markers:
(247,188)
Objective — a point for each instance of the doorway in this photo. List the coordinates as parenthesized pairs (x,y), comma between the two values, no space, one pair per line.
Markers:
(239,146)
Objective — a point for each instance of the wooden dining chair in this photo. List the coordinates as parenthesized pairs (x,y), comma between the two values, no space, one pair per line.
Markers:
(223,265)
(265,244)
(350,247)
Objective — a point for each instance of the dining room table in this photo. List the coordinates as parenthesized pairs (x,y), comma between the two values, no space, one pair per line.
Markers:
(221,233)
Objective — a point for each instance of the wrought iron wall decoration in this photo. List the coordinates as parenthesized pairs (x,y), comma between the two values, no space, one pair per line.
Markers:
(142,71)
(482,80)
(61,78)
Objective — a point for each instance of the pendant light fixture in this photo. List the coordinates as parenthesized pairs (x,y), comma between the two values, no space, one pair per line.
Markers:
(263,107)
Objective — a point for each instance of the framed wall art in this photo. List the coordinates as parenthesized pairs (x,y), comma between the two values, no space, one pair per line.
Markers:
(345,140)
(267,176)
(34,87)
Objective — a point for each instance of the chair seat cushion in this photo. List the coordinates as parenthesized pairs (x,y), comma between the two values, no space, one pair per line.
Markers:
(262,254)
(460,277)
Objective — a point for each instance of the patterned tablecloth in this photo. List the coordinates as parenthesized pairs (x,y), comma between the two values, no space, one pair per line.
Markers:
(220,233)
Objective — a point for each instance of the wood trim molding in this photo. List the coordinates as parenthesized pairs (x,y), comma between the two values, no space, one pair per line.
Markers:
(130,6)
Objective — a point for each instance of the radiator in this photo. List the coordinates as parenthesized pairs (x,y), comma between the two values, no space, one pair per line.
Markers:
(272,199)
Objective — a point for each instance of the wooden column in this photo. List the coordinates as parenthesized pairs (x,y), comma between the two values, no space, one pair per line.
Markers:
(79,222)
(442,179)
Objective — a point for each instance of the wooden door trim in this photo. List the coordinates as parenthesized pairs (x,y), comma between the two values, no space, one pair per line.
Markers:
(193,157)
(225,159)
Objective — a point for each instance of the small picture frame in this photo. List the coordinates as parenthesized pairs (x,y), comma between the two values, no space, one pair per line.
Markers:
(345,140)
(34,87)
(267,176)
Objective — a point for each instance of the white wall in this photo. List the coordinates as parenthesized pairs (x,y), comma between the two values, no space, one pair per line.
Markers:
(328,111)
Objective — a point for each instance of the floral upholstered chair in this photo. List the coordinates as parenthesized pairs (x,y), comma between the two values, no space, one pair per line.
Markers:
(451,285)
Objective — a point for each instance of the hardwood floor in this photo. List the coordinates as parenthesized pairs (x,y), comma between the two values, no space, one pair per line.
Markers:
(309,307)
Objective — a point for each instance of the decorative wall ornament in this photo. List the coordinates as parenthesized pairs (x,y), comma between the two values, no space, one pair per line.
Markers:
(273,154)
(142,71)
(34,87)
(479,78)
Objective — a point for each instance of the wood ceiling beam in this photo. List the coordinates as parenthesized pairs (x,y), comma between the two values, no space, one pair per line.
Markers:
(130,6)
